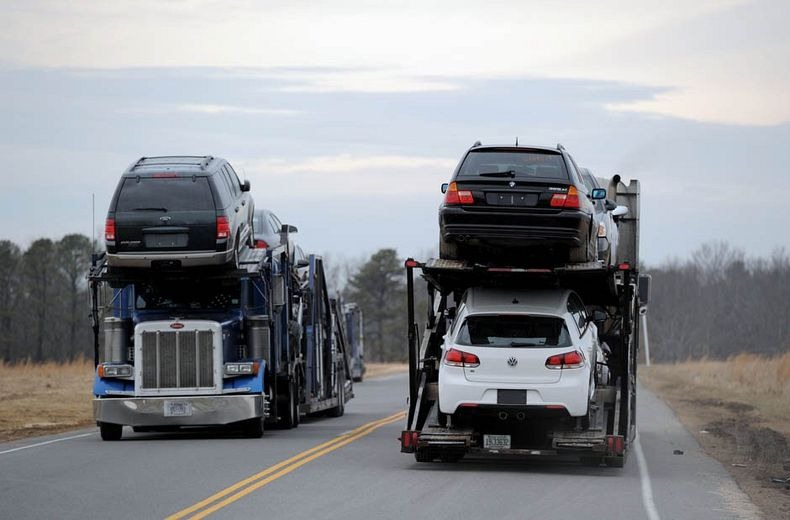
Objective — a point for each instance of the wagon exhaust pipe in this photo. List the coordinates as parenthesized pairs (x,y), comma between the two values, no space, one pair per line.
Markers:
(503,416)
(521,416)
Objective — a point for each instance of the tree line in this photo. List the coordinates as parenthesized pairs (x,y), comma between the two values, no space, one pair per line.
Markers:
(716,303)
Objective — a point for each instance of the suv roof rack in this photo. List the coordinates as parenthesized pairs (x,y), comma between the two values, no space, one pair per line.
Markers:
(200,161)
(476,144)
(560,147)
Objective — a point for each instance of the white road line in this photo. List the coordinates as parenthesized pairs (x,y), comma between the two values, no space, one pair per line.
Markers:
(647,488)
(46,442)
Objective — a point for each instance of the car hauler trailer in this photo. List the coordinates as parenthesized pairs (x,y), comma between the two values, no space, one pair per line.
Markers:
(209,347)
(612,293)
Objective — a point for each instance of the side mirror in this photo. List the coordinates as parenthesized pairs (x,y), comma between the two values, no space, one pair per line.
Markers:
(287,228)
(245,186)
(619,211)
(445,186)
(598,194)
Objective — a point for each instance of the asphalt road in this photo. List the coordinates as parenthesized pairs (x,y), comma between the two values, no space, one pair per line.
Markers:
(332,468)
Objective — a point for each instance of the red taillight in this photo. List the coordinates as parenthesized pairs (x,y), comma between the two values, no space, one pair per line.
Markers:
(165,175)
(223,228)
(453,197)
(567,360)
(566,200)
(459,358)
(261,244)
(109,230)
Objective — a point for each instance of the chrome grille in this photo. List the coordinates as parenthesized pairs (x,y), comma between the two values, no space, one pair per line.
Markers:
(177,359)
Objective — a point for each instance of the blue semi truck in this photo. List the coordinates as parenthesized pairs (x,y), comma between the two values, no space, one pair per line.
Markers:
(260,344)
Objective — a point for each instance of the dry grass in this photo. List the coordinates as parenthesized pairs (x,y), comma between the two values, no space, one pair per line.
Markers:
(44,398)
(384,369)
(758,381)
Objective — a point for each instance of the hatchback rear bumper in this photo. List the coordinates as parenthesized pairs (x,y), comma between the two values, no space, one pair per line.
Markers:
(186,259)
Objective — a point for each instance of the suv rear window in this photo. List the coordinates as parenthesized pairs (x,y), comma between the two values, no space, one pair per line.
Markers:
(513,331)
(171,194)
(532,164)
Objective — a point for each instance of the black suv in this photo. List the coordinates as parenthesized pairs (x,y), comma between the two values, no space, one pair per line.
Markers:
(525,203)
(178,211)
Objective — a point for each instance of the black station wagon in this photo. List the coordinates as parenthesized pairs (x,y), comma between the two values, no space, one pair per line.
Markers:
(526,203)
(179,211)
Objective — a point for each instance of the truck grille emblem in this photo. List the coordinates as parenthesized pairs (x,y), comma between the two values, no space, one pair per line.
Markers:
(176,325)
(512,184)
(512,361)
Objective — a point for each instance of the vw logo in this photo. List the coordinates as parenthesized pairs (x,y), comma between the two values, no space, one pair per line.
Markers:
(512,184)
(164,220)
(512,361)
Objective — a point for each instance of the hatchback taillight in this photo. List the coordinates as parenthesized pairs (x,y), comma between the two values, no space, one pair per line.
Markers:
(261,244)
(453,197)
(459,358)
(223,228)
(566,200)
(109,230)
(567,360)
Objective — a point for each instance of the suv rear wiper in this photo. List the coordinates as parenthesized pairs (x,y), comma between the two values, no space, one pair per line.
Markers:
(151,209)
(508,173)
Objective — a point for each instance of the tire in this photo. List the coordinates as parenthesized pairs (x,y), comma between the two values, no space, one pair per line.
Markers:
(451,456)
(289,419)
(424,455)
(110,432)
(253,429)
(448,250)
(614,462)
(591,461)
(340,409)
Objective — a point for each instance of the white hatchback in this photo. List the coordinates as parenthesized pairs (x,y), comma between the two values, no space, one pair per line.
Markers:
(518,350)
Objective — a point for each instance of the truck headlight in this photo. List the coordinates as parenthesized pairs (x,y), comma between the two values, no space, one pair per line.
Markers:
(249,368)
(106,370)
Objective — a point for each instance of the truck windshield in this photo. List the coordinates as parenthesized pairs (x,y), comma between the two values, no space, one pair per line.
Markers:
(513,331)
(488,164)
(187,295)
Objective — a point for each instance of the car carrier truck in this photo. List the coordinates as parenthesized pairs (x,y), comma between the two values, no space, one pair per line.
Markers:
(611,295)
(245,346)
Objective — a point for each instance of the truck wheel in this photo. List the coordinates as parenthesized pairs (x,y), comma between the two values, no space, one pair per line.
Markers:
(288,420)
(451,456)
(614,462)
(591,461)
(253,429)
(110,432)
(340,409)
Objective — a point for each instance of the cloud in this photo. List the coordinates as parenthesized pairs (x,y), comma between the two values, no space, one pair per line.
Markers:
(210,110)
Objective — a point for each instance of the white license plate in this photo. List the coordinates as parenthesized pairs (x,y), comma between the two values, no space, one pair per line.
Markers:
(178,409)
(496,442)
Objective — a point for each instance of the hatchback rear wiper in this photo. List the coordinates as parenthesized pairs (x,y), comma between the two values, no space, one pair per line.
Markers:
(508,173)
(151,209)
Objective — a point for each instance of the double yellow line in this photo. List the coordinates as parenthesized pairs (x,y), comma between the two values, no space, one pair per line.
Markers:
(244,487)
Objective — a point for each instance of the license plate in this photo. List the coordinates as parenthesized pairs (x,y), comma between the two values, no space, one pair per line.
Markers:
(512,199)
(496,442)
(178,409)
(166,240)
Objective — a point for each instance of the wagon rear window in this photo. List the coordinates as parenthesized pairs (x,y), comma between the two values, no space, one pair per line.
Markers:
(494,163)
(513,331)
(171,194)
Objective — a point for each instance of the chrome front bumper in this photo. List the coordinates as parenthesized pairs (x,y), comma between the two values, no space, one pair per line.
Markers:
(204,410)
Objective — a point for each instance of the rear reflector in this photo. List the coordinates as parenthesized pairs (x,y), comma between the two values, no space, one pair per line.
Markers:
(261,244)
(164,175)
(109,230)
(572,359)
(625,266)
(223,228)
(408,441)
(615,444)
(453,197)
(412,263)
(459,358)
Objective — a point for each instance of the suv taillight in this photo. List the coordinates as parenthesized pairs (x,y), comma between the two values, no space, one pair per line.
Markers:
(567,360)
(453,197)
(223,228)
(566,200)
(109,230)
(459,358)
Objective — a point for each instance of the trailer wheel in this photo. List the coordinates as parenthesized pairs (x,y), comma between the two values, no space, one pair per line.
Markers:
(110,432)
(615,462)
(451,456)
(424,455)
(448,250)
(290,419)
(340,409)
(591,461)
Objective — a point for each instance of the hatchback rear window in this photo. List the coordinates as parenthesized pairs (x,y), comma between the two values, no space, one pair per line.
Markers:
(512,164)
(165,194)
(513,331)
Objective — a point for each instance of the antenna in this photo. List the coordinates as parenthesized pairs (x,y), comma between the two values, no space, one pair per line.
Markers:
(93,222)
(516,140)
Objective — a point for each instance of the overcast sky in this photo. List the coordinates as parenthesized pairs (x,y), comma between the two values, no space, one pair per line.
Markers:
(346,116)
